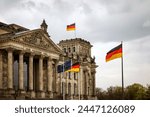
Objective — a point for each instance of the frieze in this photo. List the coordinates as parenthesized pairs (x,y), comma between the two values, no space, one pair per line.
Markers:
(36,39)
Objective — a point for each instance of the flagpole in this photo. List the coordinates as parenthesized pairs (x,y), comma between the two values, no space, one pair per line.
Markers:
(79,81)
(63,87)
(79,84)
(75,33)
(122,72)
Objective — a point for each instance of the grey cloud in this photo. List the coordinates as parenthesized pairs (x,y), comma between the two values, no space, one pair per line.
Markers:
(7,5)
(86,8)
(98,20)
(28,5)
(146,23)
(122,21)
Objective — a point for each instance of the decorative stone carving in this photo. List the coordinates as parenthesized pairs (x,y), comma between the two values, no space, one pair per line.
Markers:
(36,39)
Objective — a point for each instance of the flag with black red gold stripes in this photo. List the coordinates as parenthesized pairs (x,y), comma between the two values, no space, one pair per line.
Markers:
(114,53)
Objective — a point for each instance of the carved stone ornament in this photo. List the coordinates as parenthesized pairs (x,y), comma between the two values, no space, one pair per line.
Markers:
(38,40)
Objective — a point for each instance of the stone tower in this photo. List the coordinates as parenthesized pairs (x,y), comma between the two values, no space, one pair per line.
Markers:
(79,85)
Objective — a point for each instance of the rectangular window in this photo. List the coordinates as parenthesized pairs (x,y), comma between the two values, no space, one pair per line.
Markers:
(74,49)
(69,75)
(75,87)
(65,50)
(62,88)
(74,76)
(69,89)
(69,50)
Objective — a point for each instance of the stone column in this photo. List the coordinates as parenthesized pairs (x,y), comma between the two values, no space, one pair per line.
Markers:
(66,74)
(72,84)
(90,84)
(55,76)
(10,69)
(41,73)
(60,83)
(1,70)
(31,72)
(21,71)
(86,88)
(50,79)
(94,81)
(80,85)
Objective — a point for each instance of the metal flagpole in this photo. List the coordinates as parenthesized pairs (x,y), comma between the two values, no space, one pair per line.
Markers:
(63,86)
(75,31)
(79,80)
(79,83)
(122,72)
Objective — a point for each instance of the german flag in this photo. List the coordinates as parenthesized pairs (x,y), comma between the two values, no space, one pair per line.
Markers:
(75,68)
(71,27)
(114,53)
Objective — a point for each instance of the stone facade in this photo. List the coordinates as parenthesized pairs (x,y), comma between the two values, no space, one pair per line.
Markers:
(79,85)
(29,60)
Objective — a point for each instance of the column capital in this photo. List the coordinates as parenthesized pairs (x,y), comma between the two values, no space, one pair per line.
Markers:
(49,58)
(41,56)
(56,61)
(21,52)
(32,54)
(9,49)
(93,72)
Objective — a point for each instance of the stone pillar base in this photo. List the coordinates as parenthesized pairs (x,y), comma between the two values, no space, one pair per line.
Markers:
(20,94)
(81,97)
(71,97)
(40,95)
(50,95)
(31,94)
(10,91)
(8,94)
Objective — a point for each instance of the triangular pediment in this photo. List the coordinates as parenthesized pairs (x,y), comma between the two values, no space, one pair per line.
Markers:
(3,32)
(37,38)
(4,28)
(11,28)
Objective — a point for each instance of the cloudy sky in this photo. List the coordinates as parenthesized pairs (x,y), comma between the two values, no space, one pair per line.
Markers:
(102,22)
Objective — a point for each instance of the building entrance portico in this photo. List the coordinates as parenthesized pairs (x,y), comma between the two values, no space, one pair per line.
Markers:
(26,72)
(28,60)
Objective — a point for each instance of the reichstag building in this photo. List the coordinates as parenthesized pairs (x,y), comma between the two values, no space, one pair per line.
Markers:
(29,60)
